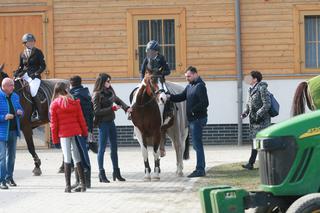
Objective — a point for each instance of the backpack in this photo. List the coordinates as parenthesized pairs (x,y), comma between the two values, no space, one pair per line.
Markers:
(275,106)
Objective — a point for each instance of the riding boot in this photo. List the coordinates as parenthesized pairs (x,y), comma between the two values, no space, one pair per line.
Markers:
(37,106)
(76,184)
(102,176)
(116,175)
(67,173)
(87,176)
(80,172)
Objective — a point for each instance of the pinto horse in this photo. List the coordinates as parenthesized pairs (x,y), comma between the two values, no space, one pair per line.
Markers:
(307,93)
(22,89)
(151,129)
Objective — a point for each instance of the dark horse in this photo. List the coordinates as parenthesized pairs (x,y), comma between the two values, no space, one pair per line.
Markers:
(149,126)
(22,89)
(307,93)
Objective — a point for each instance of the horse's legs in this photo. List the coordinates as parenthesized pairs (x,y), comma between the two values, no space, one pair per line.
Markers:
(178,141)
(179,156)
(156,155)
(27,132)
(147,169)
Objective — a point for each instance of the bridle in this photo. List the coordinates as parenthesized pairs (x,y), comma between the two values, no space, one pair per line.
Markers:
(22,90)
(154,92)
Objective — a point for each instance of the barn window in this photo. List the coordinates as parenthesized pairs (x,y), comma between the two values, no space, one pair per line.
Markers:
(312,41)
(306,21)
(167,26)
(161,30)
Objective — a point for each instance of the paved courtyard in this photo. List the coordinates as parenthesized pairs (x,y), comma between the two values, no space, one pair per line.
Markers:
(171,194)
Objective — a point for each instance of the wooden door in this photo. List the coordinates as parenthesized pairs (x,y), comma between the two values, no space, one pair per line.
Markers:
(12,27)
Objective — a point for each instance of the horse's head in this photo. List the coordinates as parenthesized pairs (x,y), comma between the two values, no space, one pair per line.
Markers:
(154,82)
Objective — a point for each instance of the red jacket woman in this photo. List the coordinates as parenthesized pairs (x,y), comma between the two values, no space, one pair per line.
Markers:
(67,119)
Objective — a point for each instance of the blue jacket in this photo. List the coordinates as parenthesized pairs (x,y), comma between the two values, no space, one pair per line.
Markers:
(5,109)
(83,94)
(197,99)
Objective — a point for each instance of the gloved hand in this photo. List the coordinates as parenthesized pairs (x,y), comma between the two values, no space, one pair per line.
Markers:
(243,115)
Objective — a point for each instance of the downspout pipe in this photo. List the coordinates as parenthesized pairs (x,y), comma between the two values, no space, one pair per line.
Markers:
(239,69)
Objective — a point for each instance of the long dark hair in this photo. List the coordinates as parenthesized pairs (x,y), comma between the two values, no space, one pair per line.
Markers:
(100,82)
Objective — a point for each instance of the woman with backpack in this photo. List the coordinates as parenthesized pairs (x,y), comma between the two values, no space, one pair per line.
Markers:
(257,108)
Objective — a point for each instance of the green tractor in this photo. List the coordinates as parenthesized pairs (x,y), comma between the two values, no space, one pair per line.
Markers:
(289,158)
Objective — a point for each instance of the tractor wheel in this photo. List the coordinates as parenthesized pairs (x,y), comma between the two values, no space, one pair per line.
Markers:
(307,204)
(269,209)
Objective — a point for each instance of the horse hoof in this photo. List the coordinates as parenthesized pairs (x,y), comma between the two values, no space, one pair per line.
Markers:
(147,178)
(155,178)
(37,172)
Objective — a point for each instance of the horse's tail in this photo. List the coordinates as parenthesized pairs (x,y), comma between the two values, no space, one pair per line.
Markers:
(186,155)
(300,98)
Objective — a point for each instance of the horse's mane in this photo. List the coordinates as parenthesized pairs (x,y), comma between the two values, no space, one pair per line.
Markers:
(300,98)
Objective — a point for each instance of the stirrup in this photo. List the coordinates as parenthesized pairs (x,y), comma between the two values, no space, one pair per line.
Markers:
(35,116)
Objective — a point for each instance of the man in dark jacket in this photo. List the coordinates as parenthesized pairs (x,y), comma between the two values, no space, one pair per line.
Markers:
(197,103)
(83,94)
(32,64)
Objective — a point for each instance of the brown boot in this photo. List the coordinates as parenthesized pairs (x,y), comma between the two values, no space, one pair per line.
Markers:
(82,187)
(67,173)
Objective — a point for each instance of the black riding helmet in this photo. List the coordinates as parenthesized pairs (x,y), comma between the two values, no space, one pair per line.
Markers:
(28,37)
(153,45)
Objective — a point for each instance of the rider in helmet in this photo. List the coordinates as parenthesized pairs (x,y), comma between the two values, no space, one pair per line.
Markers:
(158,60)
(152,51)
(32,64)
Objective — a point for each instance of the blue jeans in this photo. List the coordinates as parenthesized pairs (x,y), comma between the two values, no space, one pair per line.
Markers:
(108,132)
(83,150)
(8,156)
(196,128)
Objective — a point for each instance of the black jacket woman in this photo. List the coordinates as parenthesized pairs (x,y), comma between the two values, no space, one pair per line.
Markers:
(105,103)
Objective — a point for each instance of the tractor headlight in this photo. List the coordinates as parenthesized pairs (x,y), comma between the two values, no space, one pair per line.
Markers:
(270,144)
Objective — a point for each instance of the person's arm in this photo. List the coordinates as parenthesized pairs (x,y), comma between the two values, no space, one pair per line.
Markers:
(42,63)
(90,117)
(179,97)
(266,102)
(164,65)
(81,121)
(143,68)
(123,105)
(3,116)
(98,111)
(17,106)
(203,102)
(54,124)
(246,111)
